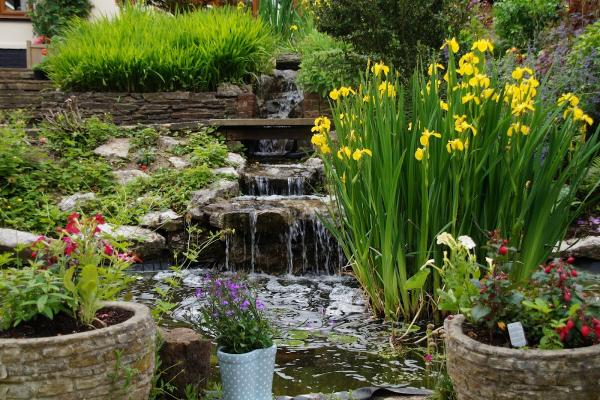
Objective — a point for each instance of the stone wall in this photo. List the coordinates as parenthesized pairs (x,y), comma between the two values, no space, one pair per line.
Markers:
(18,90)
(82,365)
(480,371)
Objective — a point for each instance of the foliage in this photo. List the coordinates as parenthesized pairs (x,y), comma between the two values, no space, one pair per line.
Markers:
(234,315)
(283,16)
(51,17)
(30,180)
(584,64)
(90,262)
(327,63)
(466,156)
(519,22)
(397,31)
(68,134)
(208,149)
(28,292)
(196,51)
(71,274)
(552,307)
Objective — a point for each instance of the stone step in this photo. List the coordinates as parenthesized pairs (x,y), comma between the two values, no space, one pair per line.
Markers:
(16,73)
(282,179)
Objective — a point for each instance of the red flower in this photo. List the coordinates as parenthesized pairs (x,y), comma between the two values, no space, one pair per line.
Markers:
(108,250)
(585,331)
(72,217)
(573,273)
(70,248)
(570,324)
(100,219)
(44,52)
(72,228)
(567,296)
(570,260)
(503,250)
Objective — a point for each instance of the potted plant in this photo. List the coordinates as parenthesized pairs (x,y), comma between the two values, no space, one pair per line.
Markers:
(61,336)
(244,336)
(517,339)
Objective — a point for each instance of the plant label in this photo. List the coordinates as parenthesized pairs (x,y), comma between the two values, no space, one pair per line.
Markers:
(517,334)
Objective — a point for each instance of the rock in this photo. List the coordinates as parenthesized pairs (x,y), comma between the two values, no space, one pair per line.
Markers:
(146,243)
(236,161)
(179,163)
(168,220)
(11,239)
(314,162)
(185,357)
(226,171)
(168,143)
(123,177)
(279,179)
(228,90)
(222,189)
(116,148)
(587,247)
(288,61)
(69,203)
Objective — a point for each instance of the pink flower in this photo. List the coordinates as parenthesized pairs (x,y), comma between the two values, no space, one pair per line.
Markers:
(108,250)
(72,228)
(428,358)
(100,219)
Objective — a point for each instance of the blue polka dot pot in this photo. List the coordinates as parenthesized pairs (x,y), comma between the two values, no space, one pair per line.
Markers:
(248,376)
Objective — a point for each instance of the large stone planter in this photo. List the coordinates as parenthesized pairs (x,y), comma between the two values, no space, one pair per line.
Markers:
(116,362)
(480,371)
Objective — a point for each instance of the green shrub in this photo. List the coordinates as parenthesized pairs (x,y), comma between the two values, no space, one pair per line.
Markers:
(147,51)
(584,65)
(327,63)
(51,17)
(519,22)
(393,30)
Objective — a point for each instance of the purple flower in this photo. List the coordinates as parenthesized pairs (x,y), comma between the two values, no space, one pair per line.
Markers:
(224,302)
(199,293)
(259,305)
(595,220)
(245,304)
(428,358)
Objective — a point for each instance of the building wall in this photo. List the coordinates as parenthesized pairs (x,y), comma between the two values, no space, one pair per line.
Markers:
(15,34)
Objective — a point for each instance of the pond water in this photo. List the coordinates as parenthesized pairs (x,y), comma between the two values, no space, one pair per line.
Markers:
(328,340)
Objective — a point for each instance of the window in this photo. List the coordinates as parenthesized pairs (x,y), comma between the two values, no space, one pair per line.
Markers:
(13,8)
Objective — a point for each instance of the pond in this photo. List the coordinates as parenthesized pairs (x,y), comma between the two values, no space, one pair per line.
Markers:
(328,340)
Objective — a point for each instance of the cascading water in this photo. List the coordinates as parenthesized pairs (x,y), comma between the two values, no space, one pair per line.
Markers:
(279,218)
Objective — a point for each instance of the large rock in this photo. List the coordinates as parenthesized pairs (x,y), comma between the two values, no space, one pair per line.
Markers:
(587,247)
(145,242)
(70,203)
(116,148)
(11,239)
(280,179)
(229,171)
(179,162)
(124,176)
(168,220)
(236,161)
(168,143)
(222,189)
(185,358)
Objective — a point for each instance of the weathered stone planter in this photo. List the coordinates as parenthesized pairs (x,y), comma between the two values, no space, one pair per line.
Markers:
(480,371)
(110,363)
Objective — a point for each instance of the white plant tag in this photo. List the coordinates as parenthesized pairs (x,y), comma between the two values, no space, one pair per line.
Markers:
(517,334)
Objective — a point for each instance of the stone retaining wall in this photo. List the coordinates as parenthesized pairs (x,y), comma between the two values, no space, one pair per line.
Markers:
(82,365)
(18,90)
(480,371)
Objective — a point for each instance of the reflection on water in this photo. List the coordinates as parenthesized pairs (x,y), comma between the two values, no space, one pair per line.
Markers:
(329,342)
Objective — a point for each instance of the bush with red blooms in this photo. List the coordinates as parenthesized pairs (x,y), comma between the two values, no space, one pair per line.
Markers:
(553,306)
(81,268)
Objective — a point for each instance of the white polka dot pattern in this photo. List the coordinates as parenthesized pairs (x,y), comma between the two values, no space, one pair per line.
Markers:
(248,376)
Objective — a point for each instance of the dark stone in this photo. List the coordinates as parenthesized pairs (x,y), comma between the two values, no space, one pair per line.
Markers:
(185,359)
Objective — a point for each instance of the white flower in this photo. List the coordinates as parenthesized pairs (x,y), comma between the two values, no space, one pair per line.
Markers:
(467,242)
(445,238)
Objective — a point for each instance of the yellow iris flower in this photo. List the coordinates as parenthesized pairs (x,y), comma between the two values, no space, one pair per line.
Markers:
(379,68)
(419,153)
(452,44)
(455,145)
(483,45)
(424,140)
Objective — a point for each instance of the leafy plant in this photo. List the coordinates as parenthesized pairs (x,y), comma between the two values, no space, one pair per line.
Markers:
(327,63)
(284,16)
(90,263)
(51,17)
(26,293)
(196,51)
(234,316)
(397,31)
(519,22)
(465,155)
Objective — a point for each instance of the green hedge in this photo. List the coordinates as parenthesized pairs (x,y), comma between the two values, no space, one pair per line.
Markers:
(146,51)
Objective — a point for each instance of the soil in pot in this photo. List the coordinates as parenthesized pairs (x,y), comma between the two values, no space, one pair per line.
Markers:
(65,324)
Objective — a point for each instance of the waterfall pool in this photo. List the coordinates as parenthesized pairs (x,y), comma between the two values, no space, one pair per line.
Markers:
(328,341)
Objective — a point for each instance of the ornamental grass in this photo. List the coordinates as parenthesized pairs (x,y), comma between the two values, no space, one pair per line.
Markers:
(459,151)
(145,51)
